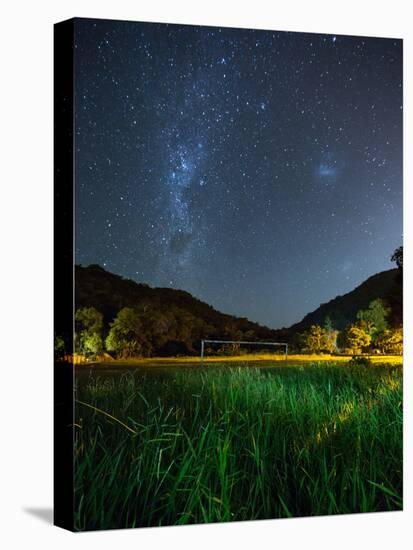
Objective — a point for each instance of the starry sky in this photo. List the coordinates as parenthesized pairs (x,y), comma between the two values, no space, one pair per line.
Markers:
(261,171)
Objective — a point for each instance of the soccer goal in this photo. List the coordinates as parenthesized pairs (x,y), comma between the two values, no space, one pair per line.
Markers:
(263,345)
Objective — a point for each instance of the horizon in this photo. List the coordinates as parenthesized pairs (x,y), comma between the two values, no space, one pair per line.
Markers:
(260,171)
(94,265)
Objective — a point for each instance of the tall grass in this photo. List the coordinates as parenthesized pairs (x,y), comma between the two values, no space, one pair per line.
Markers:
(207,445)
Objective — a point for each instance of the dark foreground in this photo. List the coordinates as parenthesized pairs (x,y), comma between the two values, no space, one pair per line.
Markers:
(182,446)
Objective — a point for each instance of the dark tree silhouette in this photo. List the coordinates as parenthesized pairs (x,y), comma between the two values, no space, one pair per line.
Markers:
(398,257)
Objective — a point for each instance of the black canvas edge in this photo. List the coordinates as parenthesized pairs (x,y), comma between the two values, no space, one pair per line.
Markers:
(63,383)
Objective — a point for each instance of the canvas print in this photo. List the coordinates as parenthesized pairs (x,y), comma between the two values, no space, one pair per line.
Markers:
(237,260)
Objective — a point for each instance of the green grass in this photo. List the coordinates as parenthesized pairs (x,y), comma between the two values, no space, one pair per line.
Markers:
(211,445)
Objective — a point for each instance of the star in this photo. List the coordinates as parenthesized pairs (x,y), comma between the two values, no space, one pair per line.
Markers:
(237,159)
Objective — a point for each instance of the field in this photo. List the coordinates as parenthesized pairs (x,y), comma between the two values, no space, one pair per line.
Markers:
(159,445)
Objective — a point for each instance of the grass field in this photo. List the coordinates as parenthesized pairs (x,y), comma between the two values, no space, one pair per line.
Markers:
(234,442)
(251,359)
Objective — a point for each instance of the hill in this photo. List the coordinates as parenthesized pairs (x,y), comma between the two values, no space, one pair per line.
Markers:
(343,309)
(108,293)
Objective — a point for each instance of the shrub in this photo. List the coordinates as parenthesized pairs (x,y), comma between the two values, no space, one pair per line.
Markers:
(360,361)
(354,339)
(391,341)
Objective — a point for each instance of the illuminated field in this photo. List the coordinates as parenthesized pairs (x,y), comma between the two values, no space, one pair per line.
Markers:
(192,445)
(256,359)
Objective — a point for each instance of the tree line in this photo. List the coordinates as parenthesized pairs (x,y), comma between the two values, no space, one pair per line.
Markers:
(146,332)
(138,331)
(370,333)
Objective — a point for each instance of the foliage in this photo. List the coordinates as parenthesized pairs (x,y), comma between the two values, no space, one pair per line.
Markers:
(397,257)
(328,324)
(314,339)
(373,320)
(89,326)
(92,344)
(331,341)
(318,340)
(90,319)
(59,347)
(233,444)
(126,334)
(390,341)
(354,339)
(360,361)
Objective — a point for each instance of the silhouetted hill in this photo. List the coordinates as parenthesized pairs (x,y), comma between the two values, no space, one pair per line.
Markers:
(108,293)
(343,309)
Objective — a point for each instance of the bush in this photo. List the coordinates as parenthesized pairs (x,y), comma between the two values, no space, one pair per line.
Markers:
(360,361)
(354,339)
(391,341)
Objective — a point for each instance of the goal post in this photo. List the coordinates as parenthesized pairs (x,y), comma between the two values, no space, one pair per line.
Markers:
(242,342)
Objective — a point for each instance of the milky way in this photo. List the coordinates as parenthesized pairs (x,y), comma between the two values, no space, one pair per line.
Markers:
(260,171)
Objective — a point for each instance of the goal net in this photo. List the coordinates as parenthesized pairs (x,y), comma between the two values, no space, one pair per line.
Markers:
(233,347)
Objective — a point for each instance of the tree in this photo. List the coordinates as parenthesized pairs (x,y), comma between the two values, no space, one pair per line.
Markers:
(331,335)
(328,324)
(89,326)
(330,342)
(59,347)
(90,319)
(318,340)
(390,341)
(397,257)
(126,335)
(92,344)
(314,339)
(373,319)
(354,339)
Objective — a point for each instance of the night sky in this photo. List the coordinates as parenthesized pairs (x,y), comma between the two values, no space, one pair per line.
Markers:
(260,171)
